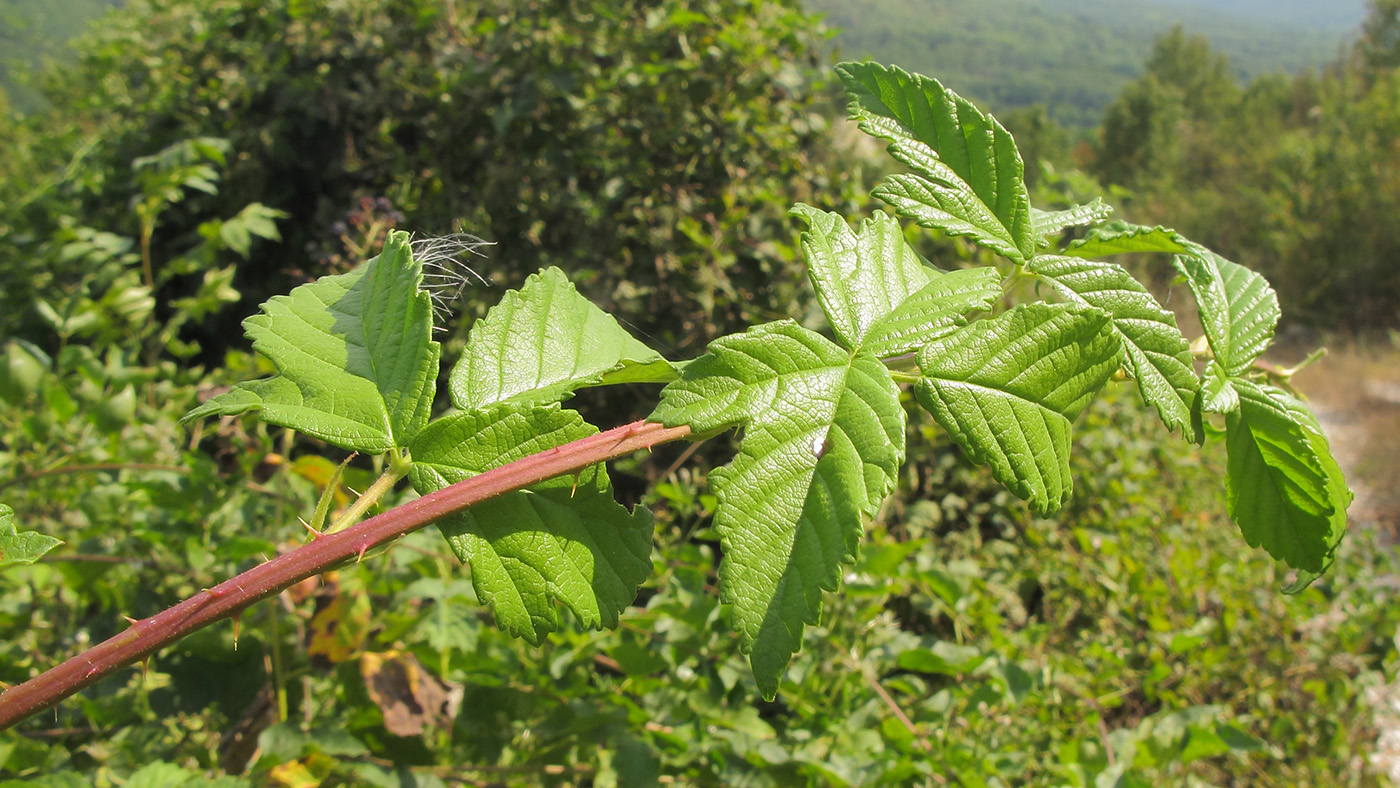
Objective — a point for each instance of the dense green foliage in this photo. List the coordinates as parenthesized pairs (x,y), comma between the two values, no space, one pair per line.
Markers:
(1084,51)
(33,34)
(1127,638)
(518,122)
(1295,177)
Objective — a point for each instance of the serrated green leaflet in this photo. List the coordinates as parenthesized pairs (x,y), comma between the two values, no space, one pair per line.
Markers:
(1238,309)
(1217,395)
(21,548)
(937,309)
(562,539)
(1046,223)
(1123,238)
(948,206)
(356,362)
(1279,490)
(1155,352)
(545,340)
(859,277)
(1007,388)
(1254,312)
(823,439)
(984,173)
(1339,494)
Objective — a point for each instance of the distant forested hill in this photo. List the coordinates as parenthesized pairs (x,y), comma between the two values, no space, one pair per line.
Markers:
(1075,56)
(31,30)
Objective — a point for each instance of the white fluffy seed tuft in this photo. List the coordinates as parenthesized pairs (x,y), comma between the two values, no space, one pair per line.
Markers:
(445,271)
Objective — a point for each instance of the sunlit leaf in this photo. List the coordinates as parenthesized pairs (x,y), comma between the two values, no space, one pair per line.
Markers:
(974,183)
(1045,223)
(21,548)
(545,340)
(1007,389)
(1155,352)
(823,438)
(356,362)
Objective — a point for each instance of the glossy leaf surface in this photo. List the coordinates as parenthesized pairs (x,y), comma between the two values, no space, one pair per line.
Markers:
(545,340)
(975,178)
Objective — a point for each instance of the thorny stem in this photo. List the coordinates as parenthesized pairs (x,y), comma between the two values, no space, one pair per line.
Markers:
(147,636)
(398,468)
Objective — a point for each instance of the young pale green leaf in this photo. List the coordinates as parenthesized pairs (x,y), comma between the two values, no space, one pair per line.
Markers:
(1238,309)
(563,539)
(824,437)
(356,362)
(1279,490)
(1047,223)
(1007,388)
(859,277)
(545,340)
(935,311)
(982,163)
(1155,352)
(1217,394)
(1123,238)
(21,548)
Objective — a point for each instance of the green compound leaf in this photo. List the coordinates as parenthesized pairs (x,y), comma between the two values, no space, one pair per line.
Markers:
(357,366)
(1155,352)
(935,311)
(542,342)
(1007,389)
(823,440)
(1238,309)
(1047,223)
(1123,238)
(1280,490)
(21,548)
(975,185)
(859,277)
(563,539)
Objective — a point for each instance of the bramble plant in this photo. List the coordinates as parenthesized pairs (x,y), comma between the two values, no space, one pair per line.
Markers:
(822,423)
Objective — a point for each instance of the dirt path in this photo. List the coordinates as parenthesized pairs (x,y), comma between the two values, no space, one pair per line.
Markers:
(1356,397)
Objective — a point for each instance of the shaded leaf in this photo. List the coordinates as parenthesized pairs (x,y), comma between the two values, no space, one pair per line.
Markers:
(562,539)
(1278,490)
(824,437)
(1007,388)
